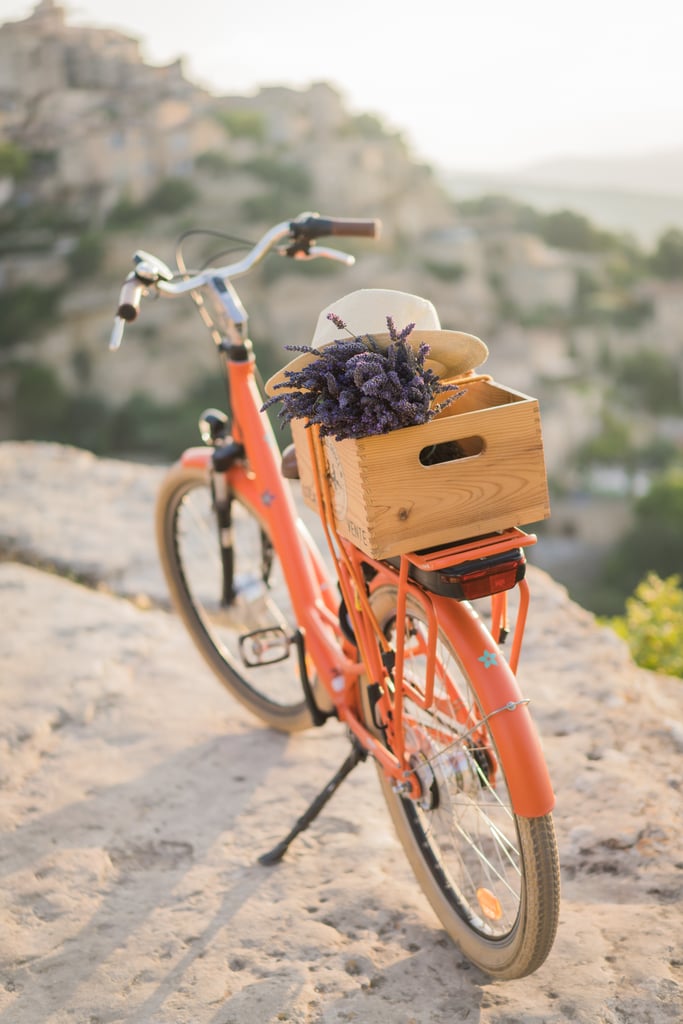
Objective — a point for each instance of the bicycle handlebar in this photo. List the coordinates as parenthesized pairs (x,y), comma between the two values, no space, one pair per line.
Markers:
(299,232)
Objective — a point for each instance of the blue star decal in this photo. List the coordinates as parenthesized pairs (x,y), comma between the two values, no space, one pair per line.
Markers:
(488,658)
(267,498)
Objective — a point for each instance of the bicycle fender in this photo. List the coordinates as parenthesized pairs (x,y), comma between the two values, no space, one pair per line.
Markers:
(196,458)
(515,735)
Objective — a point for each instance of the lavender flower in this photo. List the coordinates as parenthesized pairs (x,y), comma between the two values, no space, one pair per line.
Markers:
(337,321)
(353,389)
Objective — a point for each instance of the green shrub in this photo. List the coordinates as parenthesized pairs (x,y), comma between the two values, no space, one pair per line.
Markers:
(41,401)
(500,210)
(124,213)
(14,161)
(649,380)
(667,259)
(214,163)
(632,313)
(292,186)
(262,208)
(611,447)
(171,195)
(448,272)
(654,543)
(244,124)
(366,126)
(565,229)
(653,624)
(43,410)
(295,178)
(143,425)
(88,256)
(24,311)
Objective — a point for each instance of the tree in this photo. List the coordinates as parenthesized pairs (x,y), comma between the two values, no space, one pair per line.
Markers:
(244,124)
(171,195)
(649,380)
(567,230)
(501,210)
(124,213)
(368,126)
(292,177)
(611,447)
(655,542)
(24,312)
(87,257)
(667,260)
(13,160)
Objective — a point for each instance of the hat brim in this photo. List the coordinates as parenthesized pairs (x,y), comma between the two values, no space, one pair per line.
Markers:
(451,354)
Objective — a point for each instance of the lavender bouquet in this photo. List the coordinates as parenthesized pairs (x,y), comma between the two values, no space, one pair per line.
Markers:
(353,388)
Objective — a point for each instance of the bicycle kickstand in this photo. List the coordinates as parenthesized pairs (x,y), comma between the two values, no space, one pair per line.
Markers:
(356,755)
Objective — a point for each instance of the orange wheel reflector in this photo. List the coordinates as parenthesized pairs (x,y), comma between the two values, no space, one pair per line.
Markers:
(490,905)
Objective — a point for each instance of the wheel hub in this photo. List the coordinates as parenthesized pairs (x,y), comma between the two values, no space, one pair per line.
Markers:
(446,772)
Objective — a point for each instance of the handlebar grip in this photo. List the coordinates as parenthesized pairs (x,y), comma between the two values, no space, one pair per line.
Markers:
(358,228)
(312,225)
(129,299)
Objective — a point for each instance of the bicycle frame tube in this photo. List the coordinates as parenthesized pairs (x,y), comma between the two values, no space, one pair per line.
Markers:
(268,493)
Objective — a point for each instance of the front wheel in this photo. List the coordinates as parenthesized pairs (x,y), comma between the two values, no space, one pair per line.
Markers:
(491,876)
(227,593)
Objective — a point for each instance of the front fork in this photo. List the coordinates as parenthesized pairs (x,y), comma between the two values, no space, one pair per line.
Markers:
(222,505)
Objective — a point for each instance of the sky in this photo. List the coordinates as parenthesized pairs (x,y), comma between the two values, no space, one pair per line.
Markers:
(492,85)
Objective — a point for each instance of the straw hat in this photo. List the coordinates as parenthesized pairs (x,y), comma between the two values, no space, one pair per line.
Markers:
(451,353)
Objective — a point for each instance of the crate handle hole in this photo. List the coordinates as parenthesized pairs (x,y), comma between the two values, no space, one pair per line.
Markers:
(452,451)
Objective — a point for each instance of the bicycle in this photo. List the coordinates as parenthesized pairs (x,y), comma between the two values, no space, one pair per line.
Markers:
(384,645)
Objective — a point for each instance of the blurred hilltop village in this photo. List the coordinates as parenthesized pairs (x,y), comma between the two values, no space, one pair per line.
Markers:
(101,154)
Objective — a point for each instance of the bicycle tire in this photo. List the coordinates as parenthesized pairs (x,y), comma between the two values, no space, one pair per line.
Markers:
(491,876)
(189,551)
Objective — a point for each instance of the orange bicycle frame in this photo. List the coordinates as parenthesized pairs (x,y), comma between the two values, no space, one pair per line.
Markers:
(337,664)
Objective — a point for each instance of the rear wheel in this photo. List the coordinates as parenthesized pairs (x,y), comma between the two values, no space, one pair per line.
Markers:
(245,620)
(491,876)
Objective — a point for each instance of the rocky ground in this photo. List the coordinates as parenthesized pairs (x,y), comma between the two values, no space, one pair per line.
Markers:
(137,796)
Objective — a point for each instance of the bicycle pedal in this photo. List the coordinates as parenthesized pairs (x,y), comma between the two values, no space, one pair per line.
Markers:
(264,646)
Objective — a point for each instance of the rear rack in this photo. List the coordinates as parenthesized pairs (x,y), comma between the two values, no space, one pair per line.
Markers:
(434,559)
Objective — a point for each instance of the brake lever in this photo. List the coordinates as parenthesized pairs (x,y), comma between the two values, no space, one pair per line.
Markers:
(332,254)
(320,252)
(117,334)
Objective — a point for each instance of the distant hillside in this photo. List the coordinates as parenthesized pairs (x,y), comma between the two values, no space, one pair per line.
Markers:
(640,194)
(644,215)
(659,173)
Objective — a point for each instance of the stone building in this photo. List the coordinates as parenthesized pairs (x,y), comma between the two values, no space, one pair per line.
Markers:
(93,116)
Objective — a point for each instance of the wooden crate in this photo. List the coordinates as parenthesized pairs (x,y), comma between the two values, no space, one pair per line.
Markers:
(387,502)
